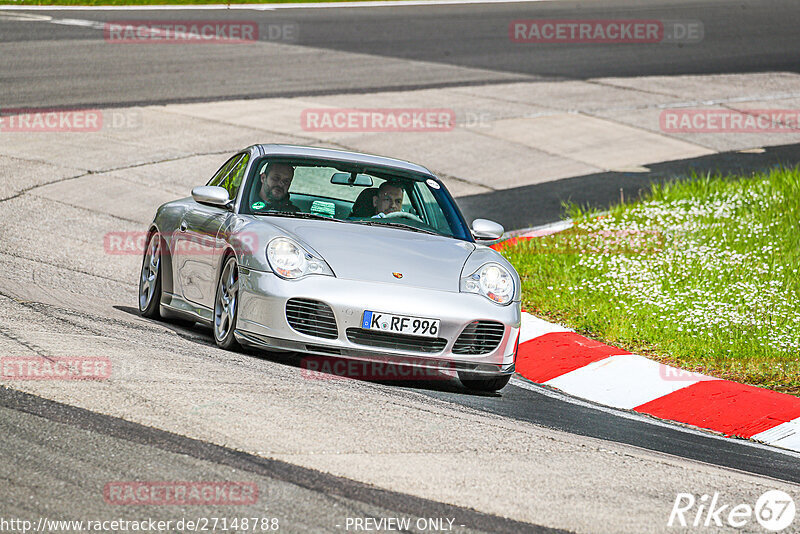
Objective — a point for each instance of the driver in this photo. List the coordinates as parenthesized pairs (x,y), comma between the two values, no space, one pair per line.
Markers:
(275,182)
(389,199)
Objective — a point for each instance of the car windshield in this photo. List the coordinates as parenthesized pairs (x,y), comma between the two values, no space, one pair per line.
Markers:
(360,195)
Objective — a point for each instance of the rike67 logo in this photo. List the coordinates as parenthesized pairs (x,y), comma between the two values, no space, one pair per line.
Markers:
(774,510)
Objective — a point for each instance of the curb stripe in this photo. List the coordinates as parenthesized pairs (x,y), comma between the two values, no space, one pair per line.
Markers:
(728,407)
(533,327)
(786,435)
(551,355)
(625,381)
(508,242)
(558,357)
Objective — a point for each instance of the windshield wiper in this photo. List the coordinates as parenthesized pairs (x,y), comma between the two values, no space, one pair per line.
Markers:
(398,225)
(298,215)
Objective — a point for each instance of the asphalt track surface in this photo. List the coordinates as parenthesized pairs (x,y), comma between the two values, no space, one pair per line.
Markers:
(303,499)
(48,64)
(52,65)
(333,51)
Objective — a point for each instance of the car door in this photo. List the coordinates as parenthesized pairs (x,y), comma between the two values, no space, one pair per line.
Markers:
(199,242)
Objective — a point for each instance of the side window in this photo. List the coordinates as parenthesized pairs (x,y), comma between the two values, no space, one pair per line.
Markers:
(223,171)
(234,178)
(231,174)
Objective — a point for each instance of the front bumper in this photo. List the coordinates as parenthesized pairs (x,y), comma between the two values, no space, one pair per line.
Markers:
(262,320)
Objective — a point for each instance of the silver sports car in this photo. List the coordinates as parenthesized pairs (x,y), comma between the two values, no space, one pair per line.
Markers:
(340,255)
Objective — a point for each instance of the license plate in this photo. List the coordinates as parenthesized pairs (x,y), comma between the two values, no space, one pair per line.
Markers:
(400,324)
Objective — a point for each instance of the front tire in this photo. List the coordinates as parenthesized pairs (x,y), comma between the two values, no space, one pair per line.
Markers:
(226,304)
(495,383)
(150,279)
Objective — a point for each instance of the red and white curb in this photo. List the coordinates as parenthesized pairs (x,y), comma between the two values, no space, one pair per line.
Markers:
(555,356)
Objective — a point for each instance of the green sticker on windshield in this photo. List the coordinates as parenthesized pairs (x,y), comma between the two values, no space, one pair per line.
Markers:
(258,206)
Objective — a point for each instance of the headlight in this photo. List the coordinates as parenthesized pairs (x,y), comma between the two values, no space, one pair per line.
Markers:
(289,260)
(493,281)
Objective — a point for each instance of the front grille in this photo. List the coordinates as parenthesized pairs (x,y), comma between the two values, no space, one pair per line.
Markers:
(388,340)
(312,318)
(479,337)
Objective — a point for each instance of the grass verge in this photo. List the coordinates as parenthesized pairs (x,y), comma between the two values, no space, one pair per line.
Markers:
(701,274)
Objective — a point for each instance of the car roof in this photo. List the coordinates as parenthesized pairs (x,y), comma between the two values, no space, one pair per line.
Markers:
(344,156)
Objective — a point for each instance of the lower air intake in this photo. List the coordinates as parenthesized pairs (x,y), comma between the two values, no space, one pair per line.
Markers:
(479,337)
(312,318)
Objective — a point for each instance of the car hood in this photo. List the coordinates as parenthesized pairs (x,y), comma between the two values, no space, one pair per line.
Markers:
(377,254)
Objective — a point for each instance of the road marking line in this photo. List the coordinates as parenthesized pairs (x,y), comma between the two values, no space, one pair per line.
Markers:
(271,7)
(79,22)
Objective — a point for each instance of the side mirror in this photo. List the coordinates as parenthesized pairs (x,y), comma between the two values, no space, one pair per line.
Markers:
(486,230)
(211,195)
